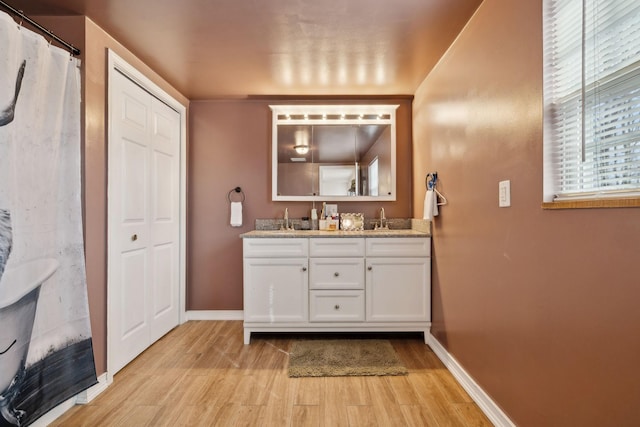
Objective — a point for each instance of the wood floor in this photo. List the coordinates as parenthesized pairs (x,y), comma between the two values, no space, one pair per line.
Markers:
(201,374)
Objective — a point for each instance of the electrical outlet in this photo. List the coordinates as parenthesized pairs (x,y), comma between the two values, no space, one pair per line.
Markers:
(504,194)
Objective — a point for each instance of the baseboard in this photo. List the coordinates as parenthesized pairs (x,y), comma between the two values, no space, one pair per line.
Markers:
(482,399)
(80,399)
(215,315)
(92,392)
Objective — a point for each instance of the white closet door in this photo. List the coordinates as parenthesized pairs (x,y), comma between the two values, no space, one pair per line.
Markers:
(144,227)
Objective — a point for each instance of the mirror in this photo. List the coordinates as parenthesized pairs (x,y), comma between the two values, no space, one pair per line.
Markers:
(333,152)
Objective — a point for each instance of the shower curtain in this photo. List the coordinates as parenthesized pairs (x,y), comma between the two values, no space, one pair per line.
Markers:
(46,354)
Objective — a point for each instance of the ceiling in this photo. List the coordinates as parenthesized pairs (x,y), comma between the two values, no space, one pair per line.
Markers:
(237,48)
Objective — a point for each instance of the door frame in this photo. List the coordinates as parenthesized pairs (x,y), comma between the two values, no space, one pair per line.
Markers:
(116,64)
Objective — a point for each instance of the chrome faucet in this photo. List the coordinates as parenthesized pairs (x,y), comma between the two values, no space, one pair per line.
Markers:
(383,221)
(285,222)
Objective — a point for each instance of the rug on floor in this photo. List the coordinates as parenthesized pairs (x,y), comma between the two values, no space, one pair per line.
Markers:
(343,357)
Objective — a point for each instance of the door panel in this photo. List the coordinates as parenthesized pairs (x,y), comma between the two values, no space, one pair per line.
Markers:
(134,181)
(134,317)
(398,289)
(276,290)
(144,224)
(165,218)
(163,192)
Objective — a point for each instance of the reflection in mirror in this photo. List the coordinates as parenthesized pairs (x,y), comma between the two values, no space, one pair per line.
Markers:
(333,152)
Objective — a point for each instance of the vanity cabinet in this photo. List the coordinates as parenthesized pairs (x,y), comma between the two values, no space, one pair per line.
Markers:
(337,284)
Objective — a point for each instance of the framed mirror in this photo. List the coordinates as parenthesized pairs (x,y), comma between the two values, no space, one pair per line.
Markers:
(333,152)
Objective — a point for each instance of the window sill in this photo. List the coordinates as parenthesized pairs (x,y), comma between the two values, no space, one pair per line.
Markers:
(630,202)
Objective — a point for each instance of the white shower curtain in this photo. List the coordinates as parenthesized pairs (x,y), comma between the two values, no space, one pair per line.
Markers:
(41,225)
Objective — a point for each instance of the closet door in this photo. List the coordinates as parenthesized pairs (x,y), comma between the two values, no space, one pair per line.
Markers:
(144,227)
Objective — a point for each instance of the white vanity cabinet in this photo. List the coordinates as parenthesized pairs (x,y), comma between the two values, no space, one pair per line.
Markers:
(337,284)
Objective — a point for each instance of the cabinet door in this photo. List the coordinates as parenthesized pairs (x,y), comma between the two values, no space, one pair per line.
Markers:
(398,289)
(275,290)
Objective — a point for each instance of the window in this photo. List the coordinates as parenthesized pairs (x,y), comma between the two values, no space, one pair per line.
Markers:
(592,100)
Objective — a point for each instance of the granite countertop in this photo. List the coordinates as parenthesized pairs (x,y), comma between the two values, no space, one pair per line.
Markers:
(337,233)
(418,228)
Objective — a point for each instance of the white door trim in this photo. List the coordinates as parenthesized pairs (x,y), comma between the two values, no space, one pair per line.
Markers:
(117,64)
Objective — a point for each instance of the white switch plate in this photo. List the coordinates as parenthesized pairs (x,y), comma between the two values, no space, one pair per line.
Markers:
(504,194)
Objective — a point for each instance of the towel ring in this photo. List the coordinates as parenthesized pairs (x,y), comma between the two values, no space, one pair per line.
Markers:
(236,190)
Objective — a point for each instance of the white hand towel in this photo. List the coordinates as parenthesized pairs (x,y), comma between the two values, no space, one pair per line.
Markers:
(430,205)
(236,214)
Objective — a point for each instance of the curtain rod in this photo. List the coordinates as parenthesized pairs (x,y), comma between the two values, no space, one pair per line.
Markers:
(71,48)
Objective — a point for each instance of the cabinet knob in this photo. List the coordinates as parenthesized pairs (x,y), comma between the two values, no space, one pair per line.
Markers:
(337,307)
(134,237)
(336,274)
(304,268)
(369,268)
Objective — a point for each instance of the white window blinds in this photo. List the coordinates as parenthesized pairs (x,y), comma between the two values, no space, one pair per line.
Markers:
(592,98)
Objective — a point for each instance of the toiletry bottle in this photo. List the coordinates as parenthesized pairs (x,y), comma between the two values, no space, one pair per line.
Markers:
(314,219)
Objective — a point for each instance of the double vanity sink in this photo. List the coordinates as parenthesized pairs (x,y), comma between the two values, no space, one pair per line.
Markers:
(337,233)
(336,281)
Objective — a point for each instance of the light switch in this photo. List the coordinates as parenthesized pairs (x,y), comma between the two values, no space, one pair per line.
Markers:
(504,194)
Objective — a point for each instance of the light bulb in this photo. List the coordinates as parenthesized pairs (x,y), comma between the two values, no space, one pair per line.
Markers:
(301,149)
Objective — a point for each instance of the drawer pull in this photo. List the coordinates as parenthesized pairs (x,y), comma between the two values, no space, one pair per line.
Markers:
(369,268)
(304,268)
(337,307)
(336,274)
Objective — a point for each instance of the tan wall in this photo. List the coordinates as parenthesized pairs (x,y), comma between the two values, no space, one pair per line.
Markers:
(540,307)
(230,146)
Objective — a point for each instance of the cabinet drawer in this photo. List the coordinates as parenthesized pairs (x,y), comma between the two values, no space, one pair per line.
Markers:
(336,273)
(336,306)
(275,247)
(398,246)
(335,247)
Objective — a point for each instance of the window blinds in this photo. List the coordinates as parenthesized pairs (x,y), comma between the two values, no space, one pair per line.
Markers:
(592,98)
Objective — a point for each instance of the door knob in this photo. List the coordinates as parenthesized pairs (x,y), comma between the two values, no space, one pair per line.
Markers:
(369,268)
(304,268)
(134,237)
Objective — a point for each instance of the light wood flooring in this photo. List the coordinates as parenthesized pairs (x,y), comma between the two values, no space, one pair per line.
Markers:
(201,374)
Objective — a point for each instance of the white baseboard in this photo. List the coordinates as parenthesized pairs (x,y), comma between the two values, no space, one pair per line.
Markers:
(482,399)
(92,392)
(215,315)
(82,398)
